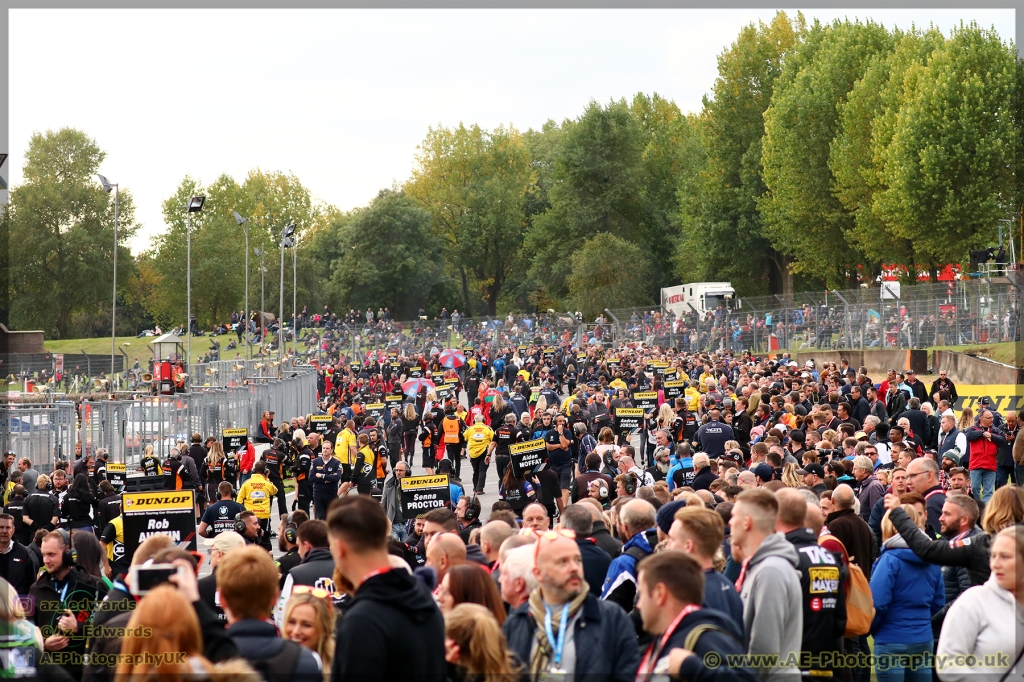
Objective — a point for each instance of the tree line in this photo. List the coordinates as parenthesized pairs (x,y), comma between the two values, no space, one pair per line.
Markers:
(821,152)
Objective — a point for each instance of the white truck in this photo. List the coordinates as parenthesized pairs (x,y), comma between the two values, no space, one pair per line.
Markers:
(700,297)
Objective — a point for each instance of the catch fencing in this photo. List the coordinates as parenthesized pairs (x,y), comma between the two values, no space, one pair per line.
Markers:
(126,427)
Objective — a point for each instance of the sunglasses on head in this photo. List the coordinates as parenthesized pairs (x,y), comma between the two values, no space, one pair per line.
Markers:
(318,592)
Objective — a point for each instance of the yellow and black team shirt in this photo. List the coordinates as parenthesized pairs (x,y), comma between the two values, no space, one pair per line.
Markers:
(346,439)
(255,495)
(364,472)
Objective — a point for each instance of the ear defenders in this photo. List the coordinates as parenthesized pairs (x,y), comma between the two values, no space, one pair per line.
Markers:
(630,484)
(471,510)
(70,556)
(290,530)
(239,524)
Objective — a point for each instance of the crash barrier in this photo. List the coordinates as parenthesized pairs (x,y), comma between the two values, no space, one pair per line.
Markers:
(39,432)
(127,427)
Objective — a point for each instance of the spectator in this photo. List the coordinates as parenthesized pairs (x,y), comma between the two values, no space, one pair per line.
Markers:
(492,535)
(89,556)
(850,529)
(907,592)
(823,584)
(704,476)
(517,580)
(636,526)
(983,442)
(535,517)
(577,518)
(923,478)
(671,590)
(870,489)
(393,630)
(769,583)
(17,566)
(223,543)
(978,623)
(177,652)
(55,590)
(475,645)
(601,535)
(598,643)
(309,621)
(42,511)
(247,584)
(316,569)
(699,533)
(471,584)
(444,551)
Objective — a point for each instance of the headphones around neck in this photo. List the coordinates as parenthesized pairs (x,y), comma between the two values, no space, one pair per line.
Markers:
(70,556)
(290,530)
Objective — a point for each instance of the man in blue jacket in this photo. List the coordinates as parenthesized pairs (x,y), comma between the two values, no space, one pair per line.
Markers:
(637,529)
(563,628)
(325,472)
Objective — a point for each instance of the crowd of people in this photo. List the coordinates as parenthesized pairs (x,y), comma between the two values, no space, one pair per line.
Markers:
(759,519)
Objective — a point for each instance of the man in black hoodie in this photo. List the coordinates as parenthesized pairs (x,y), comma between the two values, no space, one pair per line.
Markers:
(393,629)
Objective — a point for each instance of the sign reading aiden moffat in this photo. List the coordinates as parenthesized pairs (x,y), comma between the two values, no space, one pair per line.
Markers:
(234,439)
(321,422)
(528,457)
(420,494)
(170,512)
(628,418)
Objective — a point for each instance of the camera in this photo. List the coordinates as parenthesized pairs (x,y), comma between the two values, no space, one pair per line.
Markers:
(143,579)
(828,455)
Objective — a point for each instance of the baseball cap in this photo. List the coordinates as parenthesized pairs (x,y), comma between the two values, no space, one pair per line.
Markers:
(812,468)
(764,472)
(910,371)
(225,541)
(860,435)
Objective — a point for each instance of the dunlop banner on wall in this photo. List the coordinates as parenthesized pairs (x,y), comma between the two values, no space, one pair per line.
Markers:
(1004,397)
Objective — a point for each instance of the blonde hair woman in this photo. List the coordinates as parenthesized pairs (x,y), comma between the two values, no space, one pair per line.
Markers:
(790,477)
(978,622)
(966,419)
(309,621)
(474,642)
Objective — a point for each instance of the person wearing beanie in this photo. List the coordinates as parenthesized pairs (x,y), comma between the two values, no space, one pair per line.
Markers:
(665,515)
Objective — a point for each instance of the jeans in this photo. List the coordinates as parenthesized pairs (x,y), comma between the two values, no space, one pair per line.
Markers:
(1019,474)
(983,478)
(852,645)
(898,669)
(399,531)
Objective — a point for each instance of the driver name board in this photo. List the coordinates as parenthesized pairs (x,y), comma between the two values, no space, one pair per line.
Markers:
(321,423)
(167,512)
(233,439)
(528,456)
(420,494)
(628,418)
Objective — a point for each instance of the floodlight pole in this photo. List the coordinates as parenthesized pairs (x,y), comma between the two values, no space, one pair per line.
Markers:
(188,278)
(280,321)
(113,303)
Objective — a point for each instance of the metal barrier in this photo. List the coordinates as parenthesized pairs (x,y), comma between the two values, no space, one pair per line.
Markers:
(127,427)
(41,433)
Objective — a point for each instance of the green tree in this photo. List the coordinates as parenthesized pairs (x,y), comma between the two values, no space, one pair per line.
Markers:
(60,234)
(723,236)
(867,124)
(608,272)
(270,201)
(474,184)
(950,166)
(383,255)
(803,217)
(614,170)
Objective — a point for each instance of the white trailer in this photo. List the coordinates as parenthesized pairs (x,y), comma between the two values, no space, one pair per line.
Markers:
(699,296)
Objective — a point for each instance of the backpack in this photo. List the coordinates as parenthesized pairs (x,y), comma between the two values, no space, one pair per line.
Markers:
(280,667)
(860,605)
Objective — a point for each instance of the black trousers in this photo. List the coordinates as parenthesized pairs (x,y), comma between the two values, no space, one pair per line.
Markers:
(454,450)
(479,472)
(282,502)
(303,496)
(502,462)
(320,505)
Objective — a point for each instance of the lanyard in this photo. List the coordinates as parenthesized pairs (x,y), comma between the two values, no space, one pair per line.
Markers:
(562,627)
(654,652)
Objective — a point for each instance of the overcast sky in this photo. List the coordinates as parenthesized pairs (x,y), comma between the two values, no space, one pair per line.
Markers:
(343,97)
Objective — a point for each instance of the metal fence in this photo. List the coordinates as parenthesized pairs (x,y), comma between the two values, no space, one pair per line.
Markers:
(38,432)
(126,427)
(976,311)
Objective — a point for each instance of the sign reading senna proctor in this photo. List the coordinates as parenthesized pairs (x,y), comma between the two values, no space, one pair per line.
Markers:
(167,512)
(420,494)
(321,422)
(628,418)
(234,439)
(527,457)
(117,474)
